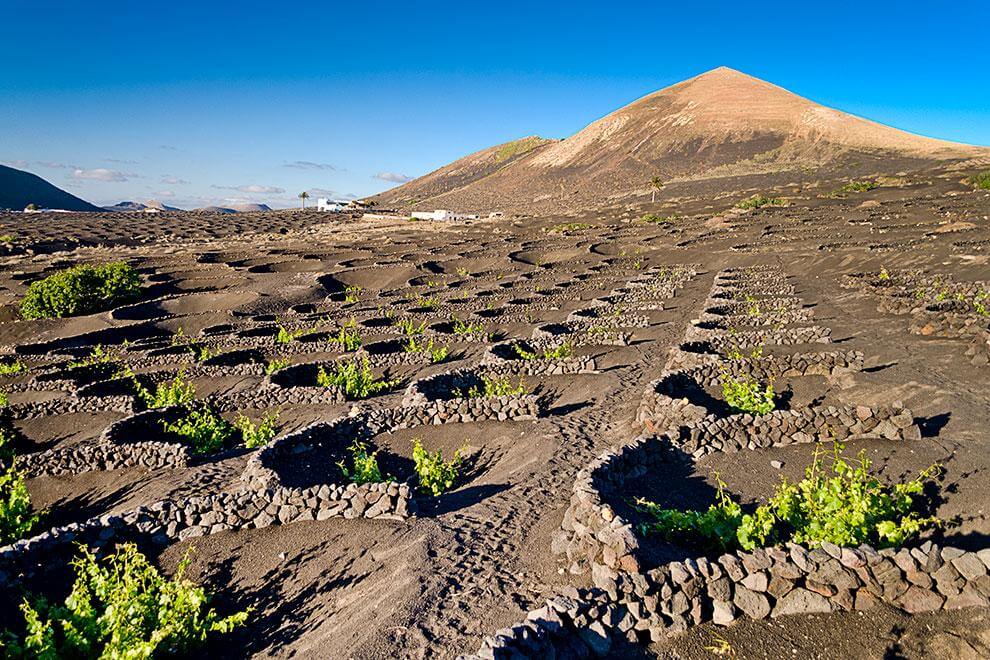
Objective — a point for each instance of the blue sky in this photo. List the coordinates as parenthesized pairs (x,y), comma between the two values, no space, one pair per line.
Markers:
(207,102)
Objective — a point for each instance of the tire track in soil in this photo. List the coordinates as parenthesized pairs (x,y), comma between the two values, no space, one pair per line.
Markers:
(475,567)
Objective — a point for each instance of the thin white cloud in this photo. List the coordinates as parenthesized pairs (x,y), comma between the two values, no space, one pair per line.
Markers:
(102,174)
(322,192)
(55,166)
(393,177)
(253,188)
(164,193)
(121,162)
(18,164)
(310,165)
(173,181)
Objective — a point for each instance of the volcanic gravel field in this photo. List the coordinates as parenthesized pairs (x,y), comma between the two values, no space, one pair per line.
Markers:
(401,574)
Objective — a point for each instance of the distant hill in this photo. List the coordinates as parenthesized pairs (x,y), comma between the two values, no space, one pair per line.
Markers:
(19,188)
(139,206)
(721,123)
(235,208)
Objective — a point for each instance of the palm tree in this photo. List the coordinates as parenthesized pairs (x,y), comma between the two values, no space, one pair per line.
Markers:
(304,196)
(657,184)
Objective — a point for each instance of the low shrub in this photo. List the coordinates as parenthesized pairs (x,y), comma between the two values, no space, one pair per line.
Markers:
(286,336)
(560,351)
(981,180)
(365,470)
(409,327)
(97,355)
(177,391)
(355,377)
(748,396)
(859,186)
(847,506)
(352,294)
(275,364)
(16,517)
(435,475)
(256,435)
(492,386)
(4,399)
(347,338)
(82,289)
(202,429)
(12,368)
(568,228)
(654,218)
(467,329)
(121,608)
(436,352)
(759,201)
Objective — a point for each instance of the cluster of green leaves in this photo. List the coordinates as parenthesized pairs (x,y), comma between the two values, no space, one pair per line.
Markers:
(177,391)
(657,219)
(981,180)
(82,289)
(492,386)
(16,517)
(121,608)
(435,475)
(467,329)
(747,395)
(275,364)
(256,435)
(355,377)
(560,351)
(409,327)
(365,465)
(759,201)
(4,399)
(846,505)
(352,294)
(428,302)
(97,355)
(715,527)
(12,368)
(436,352)
(347,337)
(568,228)
(859,186)
(202,429)
(286,336)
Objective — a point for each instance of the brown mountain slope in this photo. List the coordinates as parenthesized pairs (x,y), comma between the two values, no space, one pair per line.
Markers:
(720,123)
(464,171)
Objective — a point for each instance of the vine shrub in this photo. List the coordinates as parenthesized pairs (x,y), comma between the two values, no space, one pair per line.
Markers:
(468,329)
(759,201)
(436,352)
(16,518)
(202,429)
(12,368)
(256,435)
(355,377)
(981,180)
(436,476)
(82,289)
(747,395)
(847,506)
(121,608)
(347,337)
(491,387)
(175,392)
(365,466)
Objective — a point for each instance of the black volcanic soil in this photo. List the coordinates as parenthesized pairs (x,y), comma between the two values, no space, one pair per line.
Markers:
(435,585)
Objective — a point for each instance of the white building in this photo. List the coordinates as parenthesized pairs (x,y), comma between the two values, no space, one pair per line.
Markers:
(442,214)
(330,205)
